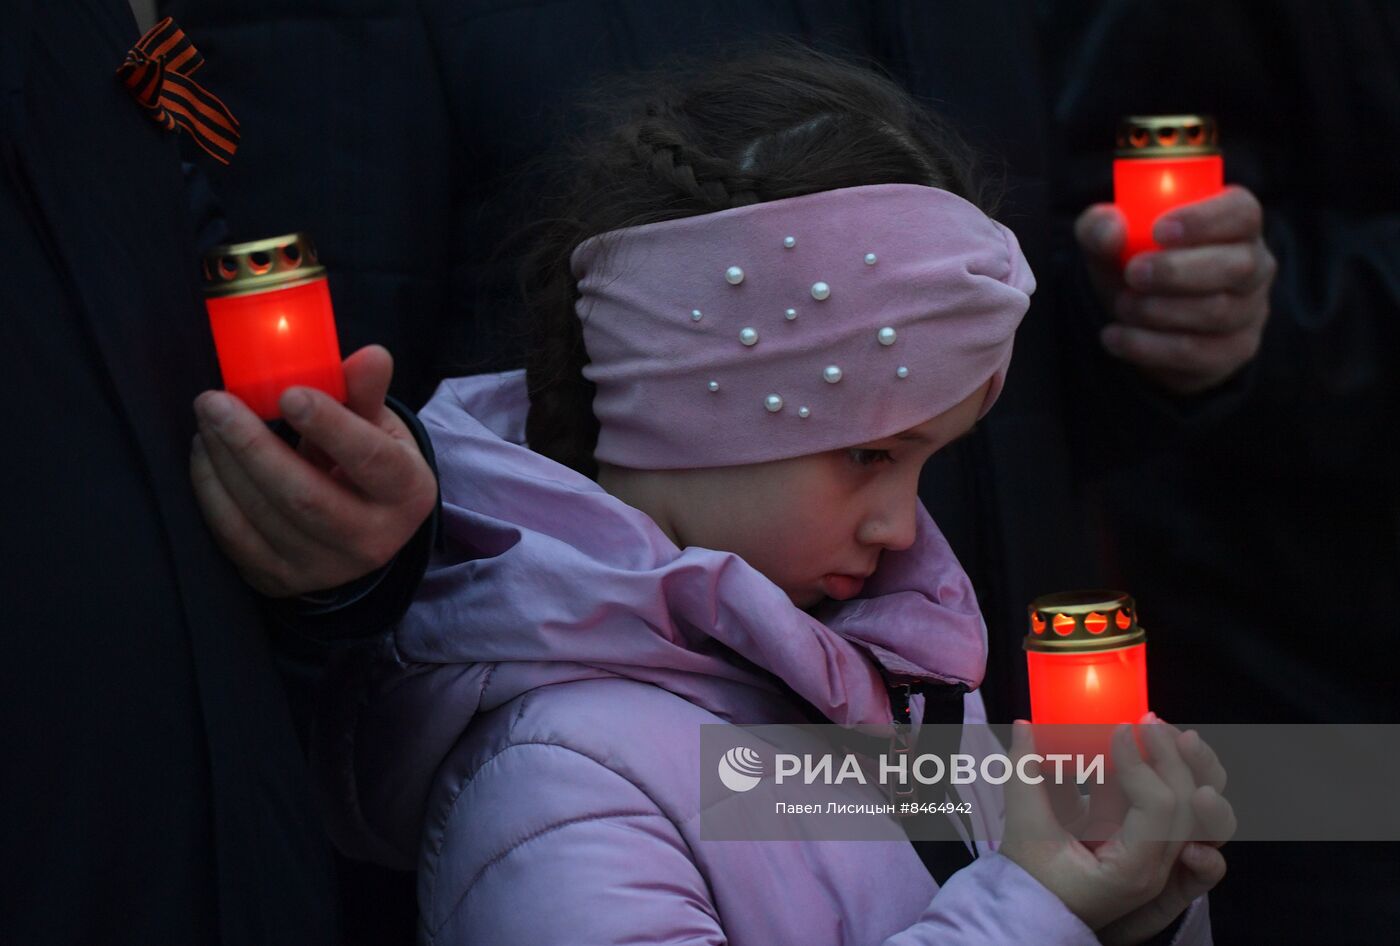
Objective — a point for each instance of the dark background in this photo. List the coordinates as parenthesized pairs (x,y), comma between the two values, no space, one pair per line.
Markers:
(1259,526)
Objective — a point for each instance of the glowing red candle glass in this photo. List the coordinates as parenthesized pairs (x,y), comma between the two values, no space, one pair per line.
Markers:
(1163,161)
(270,310)
(1087,659)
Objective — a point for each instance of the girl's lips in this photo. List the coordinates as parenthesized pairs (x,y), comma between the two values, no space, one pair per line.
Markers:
(842,587)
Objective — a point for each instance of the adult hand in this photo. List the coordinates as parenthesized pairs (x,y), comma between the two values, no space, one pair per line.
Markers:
(1190,315)
(336,508)
(1135,883)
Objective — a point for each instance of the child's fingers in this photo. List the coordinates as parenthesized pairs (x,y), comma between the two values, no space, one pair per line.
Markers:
(1205,764)
(1173,771)
(1205,868)
(1197,870)
(1070,807)
(1029,813)
(1108,806)
(1215,817)
(1151,801)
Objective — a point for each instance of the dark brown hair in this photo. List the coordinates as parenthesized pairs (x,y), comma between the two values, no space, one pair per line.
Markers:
(761,127)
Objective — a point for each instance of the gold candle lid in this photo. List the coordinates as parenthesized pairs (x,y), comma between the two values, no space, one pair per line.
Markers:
(1083,622)
(279,262)
(1167,136)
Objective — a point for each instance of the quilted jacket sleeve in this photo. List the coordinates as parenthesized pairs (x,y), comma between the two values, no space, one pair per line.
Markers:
(584,856)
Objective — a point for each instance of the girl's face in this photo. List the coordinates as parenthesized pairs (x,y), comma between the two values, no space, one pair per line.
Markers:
(814,525)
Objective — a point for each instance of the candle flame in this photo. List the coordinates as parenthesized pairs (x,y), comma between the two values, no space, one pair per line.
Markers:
(1091,680)
(1168,183)
(282,325)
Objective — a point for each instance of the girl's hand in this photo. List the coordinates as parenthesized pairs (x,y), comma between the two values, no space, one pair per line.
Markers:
(1201,865)
(1133,875)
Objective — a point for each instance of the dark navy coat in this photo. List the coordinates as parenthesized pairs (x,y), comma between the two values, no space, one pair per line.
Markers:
(152,789)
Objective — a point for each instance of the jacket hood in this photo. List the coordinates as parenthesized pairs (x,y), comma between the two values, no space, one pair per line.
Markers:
(544,578)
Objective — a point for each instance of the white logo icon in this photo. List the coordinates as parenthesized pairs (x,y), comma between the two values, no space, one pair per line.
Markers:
(740,769)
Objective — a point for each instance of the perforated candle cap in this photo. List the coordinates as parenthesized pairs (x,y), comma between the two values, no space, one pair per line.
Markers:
(1167,136)
(259,265)
(1083,622)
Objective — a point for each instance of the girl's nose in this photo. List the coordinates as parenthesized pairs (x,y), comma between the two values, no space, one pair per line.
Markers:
(891,526)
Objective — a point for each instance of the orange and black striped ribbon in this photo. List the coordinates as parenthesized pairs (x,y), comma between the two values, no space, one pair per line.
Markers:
(158,70)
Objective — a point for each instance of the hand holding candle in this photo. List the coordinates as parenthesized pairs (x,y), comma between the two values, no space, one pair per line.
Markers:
(1199,865)
(1190,305)
(1163,853)
(336,508)
(1134,853)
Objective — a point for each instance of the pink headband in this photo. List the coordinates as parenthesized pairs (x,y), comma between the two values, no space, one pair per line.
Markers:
(794,326)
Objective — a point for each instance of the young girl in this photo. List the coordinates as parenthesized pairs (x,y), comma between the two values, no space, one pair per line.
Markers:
(770,298)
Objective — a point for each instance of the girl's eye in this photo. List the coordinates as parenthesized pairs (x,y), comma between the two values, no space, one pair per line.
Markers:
(863,457)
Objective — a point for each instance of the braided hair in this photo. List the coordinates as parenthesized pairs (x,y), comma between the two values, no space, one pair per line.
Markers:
(758,128)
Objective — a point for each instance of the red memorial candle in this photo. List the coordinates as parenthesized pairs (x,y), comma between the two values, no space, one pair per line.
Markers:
(270,311)
(1163,161)
(1087,659)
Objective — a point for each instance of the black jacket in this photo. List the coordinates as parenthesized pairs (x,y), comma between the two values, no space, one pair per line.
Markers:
(153,790)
